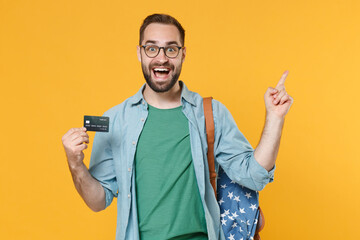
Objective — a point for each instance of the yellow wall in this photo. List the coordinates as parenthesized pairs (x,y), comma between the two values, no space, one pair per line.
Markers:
(60,60)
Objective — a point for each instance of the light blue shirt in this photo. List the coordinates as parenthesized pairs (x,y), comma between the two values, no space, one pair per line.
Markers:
(112,158)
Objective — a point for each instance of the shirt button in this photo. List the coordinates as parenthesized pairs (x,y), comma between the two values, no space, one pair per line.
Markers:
(143,103)
(128,195)
(133,143)
(142,119)
(129,169)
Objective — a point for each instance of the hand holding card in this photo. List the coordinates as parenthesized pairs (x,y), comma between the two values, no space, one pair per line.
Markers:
(96,124)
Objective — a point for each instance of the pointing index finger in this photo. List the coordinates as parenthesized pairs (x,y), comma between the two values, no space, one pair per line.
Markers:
(282,79)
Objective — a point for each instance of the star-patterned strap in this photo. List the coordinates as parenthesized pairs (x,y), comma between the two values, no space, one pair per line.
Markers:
(210,129)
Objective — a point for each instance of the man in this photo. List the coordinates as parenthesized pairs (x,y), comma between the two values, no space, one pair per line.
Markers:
(153,159)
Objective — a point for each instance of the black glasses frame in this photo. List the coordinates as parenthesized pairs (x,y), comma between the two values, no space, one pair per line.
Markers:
(164,48)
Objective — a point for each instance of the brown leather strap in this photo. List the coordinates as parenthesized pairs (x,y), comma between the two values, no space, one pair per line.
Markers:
(210,132)
(260,225)
(257,236)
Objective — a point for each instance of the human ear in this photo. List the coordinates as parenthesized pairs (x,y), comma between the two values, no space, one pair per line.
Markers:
(138,51)
(183,54)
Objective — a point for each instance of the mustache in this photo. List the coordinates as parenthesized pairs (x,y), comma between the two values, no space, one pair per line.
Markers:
(167,65)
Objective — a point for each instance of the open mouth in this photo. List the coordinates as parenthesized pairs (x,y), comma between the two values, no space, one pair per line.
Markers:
(161,72)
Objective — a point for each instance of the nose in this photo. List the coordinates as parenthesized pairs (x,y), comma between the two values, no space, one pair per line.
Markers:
(161,57)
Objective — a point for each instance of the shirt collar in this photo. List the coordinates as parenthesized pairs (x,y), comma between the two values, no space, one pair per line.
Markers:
(136,99)
(185,94)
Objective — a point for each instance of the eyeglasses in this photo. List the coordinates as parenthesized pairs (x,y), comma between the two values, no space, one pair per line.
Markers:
(170,51)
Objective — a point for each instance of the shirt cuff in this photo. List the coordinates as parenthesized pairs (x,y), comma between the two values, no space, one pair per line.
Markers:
(109,196)
(259,174)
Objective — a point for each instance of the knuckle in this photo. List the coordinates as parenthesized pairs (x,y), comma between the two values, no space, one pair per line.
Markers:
(66,143)
(74,152)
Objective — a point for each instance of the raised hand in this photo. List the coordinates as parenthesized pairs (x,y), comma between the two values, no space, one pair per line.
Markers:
(277,100)
(75,141)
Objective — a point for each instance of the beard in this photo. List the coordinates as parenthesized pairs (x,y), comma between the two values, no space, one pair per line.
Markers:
(160,88)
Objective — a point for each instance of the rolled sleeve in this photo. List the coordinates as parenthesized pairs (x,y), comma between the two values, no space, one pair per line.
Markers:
(235,154)
(109,196)
(102,166)
(260,175)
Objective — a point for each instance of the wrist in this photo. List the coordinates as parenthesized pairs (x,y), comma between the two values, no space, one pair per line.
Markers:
(274,117)
(76,166)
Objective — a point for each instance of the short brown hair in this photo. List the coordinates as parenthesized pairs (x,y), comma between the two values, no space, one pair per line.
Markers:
(164,19)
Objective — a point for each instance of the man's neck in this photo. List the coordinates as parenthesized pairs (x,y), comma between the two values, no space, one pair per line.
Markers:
(164,100)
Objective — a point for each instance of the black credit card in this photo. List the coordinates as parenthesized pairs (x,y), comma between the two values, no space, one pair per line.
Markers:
(96,124)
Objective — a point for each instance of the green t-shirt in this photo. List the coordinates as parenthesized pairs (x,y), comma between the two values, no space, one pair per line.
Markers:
(168,199)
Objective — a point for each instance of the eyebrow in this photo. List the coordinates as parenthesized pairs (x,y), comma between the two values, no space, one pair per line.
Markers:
(167,43)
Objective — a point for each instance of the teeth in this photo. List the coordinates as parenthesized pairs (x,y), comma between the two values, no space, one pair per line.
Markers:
(161,69)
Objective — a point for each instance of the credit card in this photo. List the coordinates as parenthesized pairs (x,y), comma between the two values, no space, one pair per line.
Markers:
(96,124)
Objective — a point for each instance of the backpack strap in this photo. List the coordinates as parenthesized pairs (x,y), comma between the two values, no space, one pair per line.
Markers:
(210,135)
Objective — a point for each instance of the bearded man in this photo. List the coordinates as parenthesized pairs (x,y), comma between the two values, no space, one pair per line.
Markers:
(153,159)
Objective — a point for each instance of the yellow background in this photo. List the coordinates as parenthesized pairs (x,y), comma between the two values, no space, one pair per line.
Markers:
(60,60)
